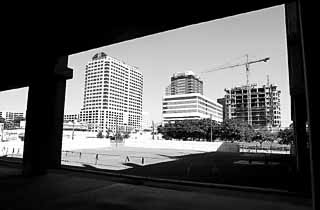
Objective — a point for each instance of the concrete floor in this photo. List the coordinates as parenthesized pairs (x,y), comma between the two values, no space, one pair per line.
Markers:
(64,189)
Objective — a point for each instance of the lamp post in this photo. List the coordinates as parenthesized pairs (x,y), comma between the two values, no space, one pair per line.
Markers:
(116,137)
(152,130)
(72,129)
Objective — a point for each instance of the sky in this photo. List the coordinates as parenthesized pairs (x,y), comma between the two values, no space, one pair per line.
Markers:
(198,48)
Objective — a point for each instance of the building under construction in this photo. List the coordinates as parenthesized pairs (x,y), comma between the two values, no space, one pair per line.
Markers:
(259,106)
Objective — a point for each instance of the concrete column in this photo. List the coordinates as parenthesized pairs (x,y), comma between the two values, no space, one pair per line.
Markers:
(307,14)
(297,92)
(44,119)
(302,159)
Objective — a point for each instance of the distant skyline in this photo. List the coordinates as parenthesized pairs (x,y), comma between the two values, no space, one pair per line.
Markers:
(197,48)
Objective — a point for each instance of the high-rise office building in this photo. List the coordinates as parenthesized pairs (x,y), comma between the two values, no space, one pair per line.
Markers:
(112,95)
(184,83)
(259,106)
(184,100)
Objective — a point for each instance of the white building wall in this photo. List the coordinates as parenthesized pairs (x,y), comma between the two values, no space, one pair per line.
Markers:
(190,106)
(113,95)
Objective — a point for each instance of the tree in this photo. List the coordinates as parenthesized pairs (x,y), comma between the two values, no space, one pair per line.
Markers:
(235,129)
(229,130)
(286,136)
(126,135)
(99,135)
(194,129)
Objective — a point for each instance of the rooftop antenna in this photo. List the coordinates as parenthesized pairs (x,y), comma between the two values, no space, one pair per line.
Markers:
(268,83)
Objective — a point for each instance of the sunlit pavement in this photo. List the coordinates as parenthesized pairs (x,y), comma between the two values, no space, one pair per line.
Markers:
(119,157)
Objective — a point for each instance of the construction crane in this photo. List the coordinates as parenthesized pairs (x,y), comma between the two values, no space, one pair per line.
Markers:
(247,65)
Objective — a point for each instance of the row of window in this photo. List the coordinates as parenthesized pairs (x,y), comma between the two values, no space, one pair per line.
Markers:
(215,116)
(209,109)
(179,111)
(180,102)
(180,107)
(216,108)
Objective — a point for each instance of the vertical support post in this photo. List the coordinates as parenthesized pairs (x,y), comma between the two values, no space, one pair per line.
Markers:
(152,130)
(72,129)
(308,37)
(297,92)
(44,119)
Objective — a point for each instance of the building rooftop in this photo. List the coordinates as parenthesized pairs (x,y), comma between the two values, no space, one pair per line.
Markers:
(102,55)
(187,73)
(99,55)
(191,95)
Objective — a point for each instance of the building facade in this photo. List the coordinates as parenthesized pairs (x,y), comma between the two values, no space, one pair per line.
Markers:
(71,117)
(76,126)
(259,106)
(190,106)
(112,95)
(222,101)
(11,116)
(184,83)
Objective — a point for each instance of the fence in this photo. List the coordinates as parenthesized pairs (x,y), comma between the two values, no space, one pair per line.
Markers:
(174,144)
(265,149)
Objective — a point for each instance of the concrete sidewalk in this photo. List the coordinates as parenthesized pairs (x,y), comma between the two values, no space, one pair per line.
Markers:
(64,189)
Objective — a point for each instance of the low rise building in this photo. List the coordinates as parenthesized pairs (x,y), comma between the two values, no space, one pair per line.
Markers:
(190,106)
(11,116)
(75,125)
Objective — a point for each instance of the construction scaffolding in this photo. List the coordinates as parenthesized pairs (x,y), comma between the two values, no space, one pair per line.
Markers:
(264,102)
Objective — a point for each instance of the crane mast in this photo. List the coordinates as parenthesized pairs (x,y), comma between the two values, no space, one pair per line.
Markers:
(248,91)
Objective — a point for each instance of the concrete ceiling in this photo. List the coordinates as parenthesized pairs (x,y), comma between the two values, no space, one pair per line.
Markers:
(33,36)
